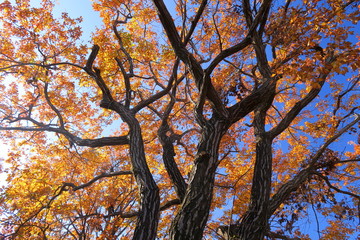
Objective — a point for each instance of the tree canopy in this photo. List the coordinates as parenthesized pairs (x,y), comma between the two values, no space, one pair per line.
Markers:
(181,120)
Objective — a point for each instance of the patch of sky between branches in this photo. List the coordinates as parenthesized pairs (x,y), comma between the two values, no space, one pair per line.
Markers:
(80,8)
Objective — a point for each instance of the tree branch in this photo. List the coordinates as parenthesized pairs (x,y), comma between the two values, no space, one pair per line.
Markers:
(99,142)
(160,94)
(300,105)
(47,66)
(292,185)
(126,75)
(61,120)
(169,161)
(185,56)
(273,235)
(327,181)
(107,99)
(342,94)
(348,161)
(94,52)
(132,214)
(102,175)
(195,21)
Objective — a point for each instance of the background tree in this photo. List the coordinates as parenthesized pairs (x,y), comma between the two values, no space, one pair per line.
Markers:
(195,119)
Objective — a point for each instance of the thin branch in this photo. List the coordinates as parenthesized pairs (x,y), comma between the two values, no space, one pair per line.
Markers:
(65,187)
(59,191)
(47,66)
(61,120)
(159,94)
(216,27)
(332,139)
(228,52)
(195,21)
(188,58)
(132,214)
(102,175)
(316,218)
(126,81)
(348,161)
(98,142)
(327,181)
(273,235)
(126,75)
(341,95)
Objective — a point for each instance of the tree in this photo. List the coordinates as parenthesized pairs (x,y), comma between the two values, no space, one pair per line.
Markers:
(221,119)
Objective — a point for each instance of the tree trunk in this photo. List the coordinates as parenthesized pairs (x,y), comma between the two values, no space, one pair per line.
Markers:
(254,223)
(191,219)
(147,221)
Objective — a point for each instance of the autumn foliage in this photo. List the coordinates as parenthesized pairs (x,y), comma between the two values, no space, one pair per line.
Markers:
(181,120)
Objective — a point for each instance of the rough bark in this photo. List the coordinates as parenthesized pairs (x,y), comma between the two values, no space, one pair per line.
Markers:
(191,219)
(148,217)
(147,221)
(254,223)
(169,161)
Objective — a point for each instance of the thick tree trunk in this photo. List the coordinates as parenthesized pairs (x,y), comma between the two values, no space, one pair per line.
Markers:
(254,223)
(147,221)
(191,219)
(148,218)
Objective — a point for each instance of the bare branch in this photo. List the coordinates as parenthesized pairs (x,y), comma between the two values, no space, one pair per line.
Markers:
(274,235)
(226,53)
(188,58)
(247,12)
(127,82)
(129,59)
(103,175)
(132,214)
(47,66)
(341,95)
(327,181)
(260,18)
(216,28)
(348,161)
(107,99)
(167,143)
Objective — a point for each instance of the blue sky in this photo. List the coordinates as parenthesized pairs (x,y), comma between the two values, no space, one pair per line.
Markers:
(83,8)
